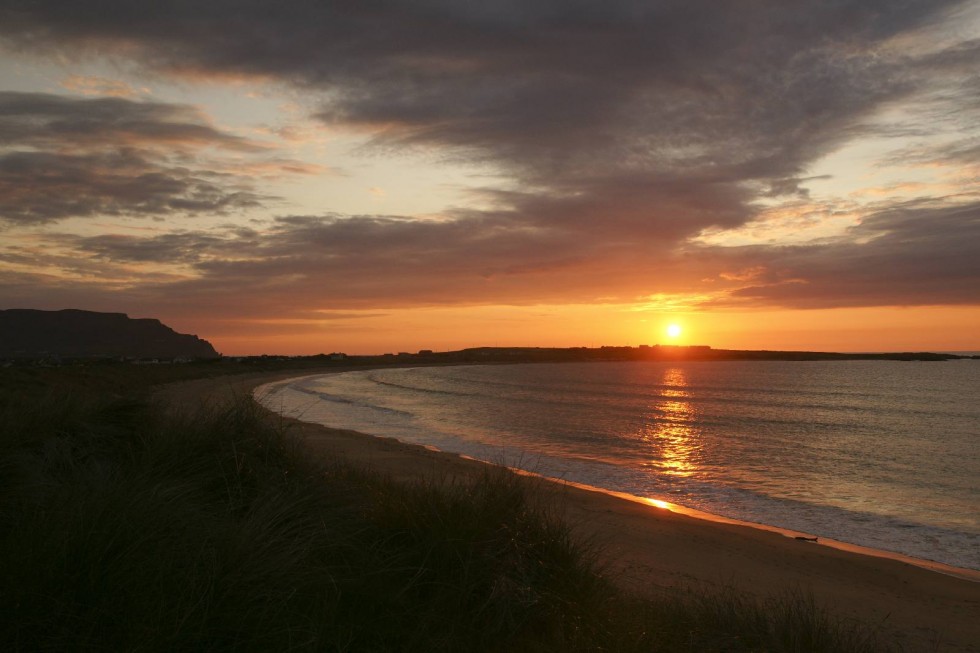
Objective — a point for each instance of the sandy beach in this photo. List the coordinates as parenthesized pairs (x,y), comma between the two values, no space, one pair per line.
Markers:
(649,549)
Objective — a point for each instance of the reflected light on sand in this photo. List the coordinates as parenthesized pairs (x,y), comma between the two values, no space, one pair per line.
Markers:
(673,432)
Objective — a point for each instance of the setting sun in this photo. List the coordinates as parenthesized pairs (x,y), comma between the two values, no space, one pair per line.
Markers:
(674,330)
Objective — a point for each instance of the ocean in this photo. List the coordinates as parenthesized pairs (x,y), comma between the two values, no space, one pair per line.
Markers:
(880,454)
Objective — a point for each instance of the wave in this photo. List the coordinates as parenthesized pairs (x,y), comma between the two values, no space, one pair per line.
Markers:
(867,470)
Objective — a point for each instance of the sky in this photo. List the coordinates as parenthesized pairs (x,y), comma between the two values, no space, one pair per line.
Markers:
(374,176)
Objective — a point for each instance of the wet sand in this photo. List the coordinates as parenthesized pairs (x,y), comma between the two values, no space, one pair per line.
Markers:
(653,550)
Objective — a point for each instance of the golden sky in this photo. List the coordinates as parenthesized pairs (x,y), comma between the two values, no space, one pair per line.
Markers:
(368,177)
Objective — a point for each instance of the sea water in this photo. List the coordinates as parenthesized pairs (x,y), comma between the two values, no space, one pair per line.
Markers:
(882,454)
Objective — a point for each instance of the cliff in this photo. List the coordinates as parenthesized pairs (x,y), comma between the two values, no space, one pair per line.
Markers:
(26,333)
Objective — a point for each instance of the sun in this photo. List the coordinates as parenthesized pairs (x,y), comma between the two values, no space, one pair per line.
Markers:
(674,330)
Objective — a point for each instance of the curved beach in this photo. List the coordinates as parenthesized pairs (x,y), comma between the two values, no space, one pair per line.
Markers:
(651,549)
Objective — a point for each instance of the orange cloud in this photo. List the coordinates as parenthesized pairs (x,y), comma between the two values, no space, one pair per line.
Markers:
(101,86)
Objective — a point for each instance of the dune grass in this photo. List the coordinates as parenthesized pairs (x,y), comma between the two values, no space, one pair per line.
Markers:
(125,527)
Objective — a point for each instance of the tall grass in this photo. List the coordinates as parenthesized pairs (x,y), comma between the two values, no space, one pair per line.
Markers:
(126,527)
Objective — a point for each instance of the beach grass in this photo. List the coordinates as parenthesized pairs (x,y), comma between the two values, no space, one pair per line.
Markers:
(126,526)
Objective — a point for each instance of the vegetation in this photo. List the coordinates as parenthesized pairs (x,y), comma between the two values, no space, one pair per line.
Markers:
(109,378)
(124,526)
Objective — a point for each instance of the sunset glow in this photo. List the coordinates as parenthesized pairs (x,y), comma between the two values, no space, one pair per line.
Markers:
(805,180)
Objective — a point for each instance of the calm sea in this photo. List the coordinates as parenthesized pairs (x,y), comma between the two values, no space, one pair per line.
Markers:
(876,453)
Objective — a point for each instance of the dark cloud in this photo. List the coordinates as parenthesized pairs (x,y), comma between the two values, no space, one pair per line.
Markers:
(915,255)
(791,186)
(623,129)
(181,247)
(44,121)
(41,186)
(64,157)
(908,255)
(301,263)
(563,95)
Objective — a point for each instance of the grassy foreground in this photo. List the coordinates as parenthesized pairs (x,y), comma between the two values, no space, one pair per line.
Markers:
(124,527)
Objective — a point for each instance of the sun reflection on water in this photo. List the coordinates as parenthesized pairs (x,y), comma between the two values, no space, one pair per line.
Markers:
(672,429)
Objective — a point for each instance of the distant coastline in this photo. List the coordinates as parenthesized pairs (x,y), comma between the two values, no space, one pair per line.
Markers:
(604,353)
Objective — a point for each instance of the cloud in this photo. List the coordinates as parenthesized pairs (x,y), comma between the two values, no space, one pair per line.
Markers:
(42,120)
(181,247)
(64,157)
(559,95)
(303,263)
(621,131)
(913,254)
(40,187)
(101,86)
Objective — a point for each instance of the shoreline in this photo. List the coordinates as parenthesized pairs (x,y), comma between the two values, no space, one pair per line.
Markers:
(962,573)
(650,549)
(965,573)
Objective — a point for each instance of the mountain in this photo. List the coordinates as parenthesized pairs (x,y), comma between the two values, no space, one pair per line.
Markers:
(27,333)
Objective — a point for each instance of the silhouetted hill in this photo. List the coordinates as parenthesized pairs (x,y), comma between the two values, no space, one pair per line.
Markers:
(26,333)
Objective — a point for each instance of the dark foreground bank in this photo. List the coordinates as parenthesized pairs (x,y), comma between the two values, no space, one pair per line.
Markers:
(126,526)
